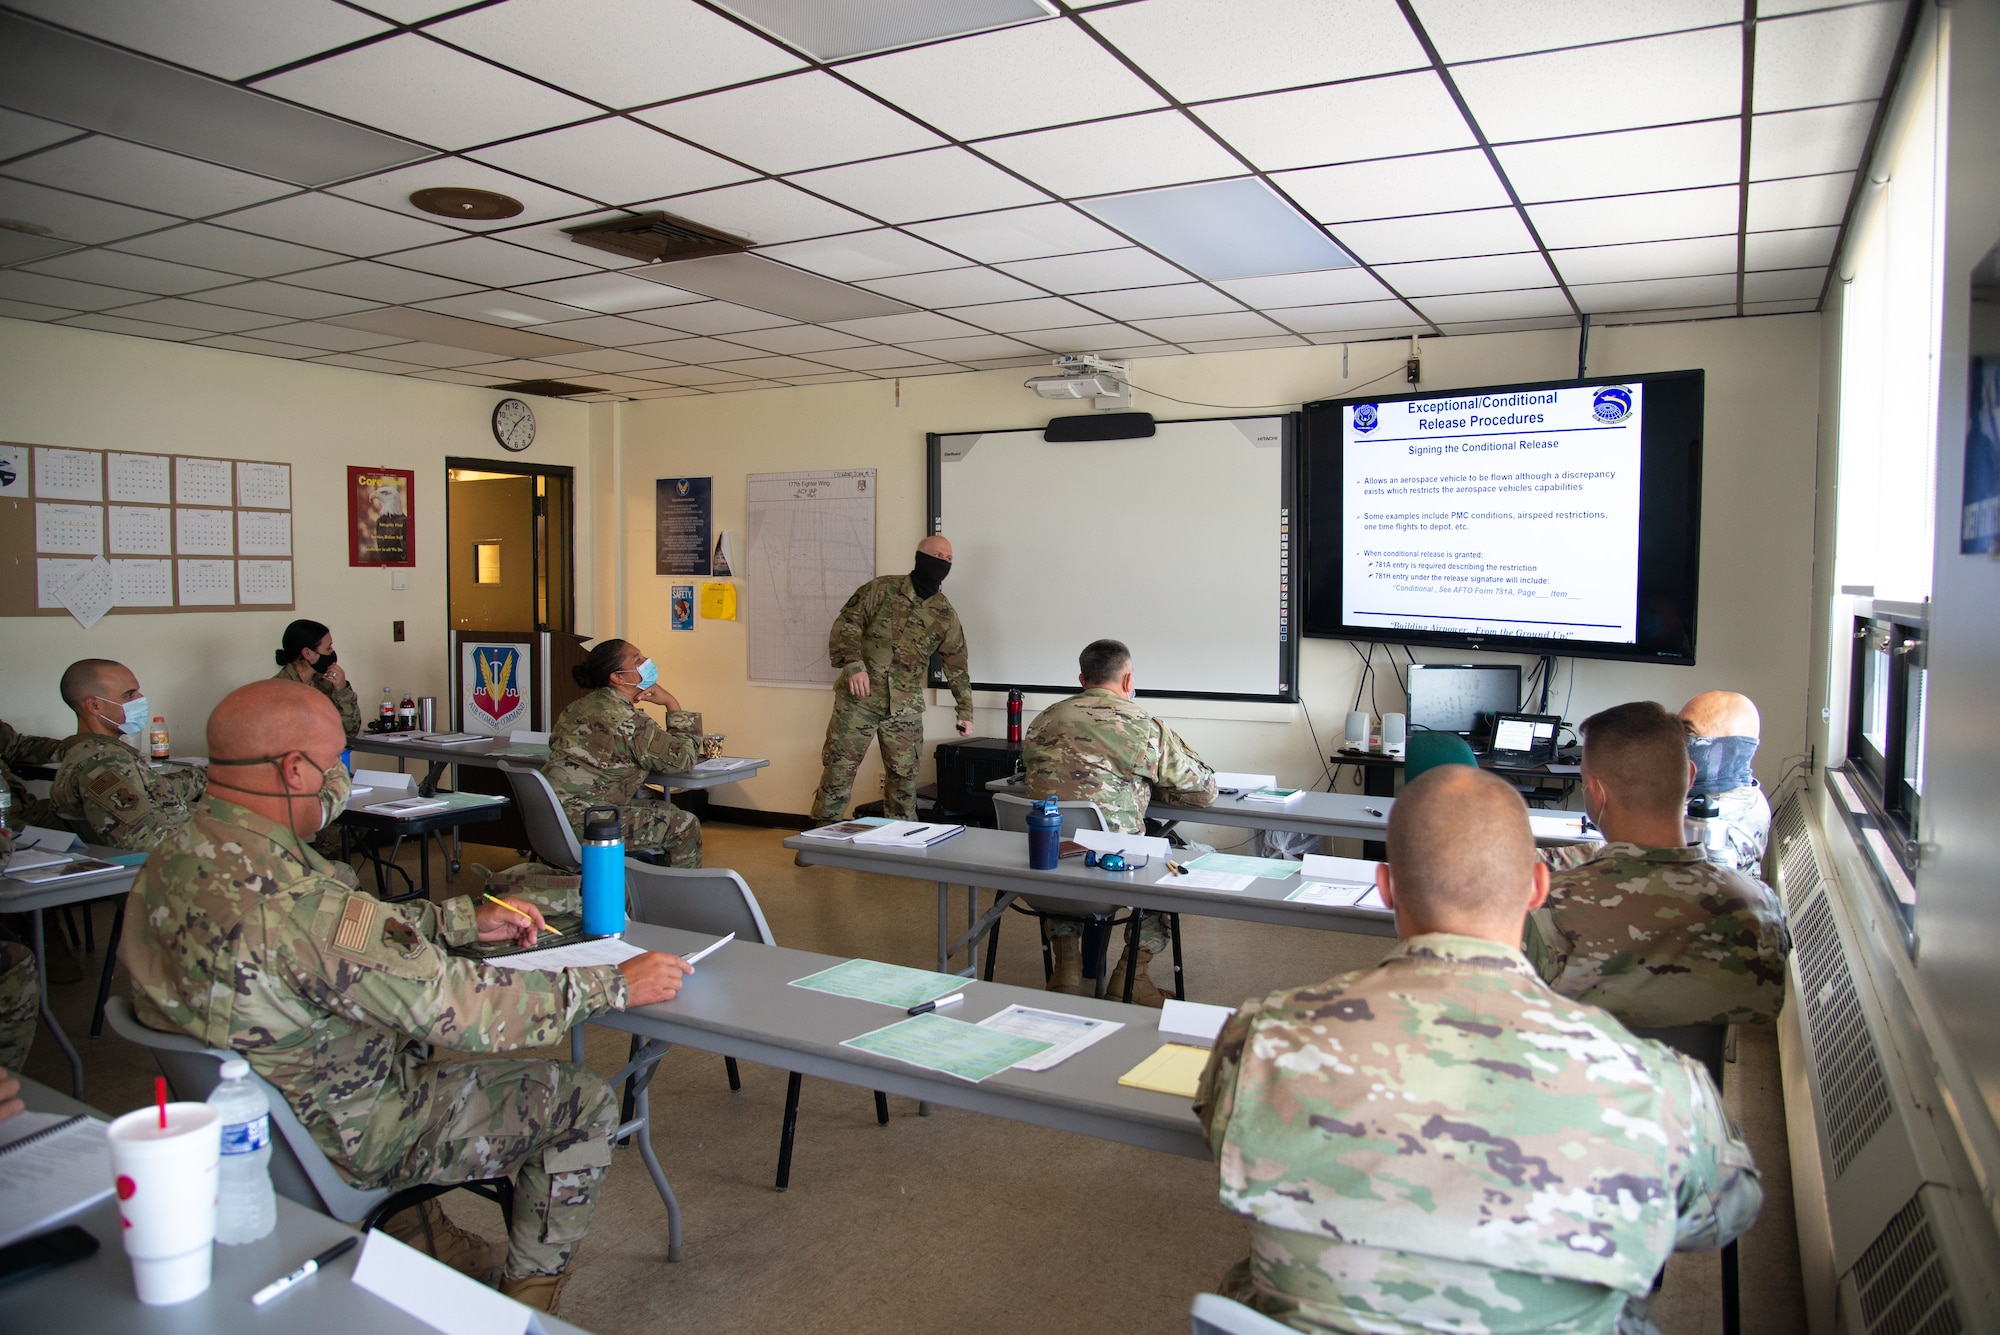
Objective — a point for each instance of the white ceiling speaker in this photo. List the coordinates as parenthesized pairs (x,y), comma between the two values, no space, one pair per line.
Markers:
(1087,377)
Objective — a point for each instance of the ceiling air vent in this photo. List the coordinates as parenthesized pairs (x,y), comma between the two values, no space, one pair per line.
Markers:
(657,236)
(550,389)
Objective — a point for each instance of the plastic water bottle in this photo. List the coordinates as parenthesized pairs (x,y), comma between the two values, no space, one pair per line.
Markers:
(245,1208)
(603,872)
(1044,835)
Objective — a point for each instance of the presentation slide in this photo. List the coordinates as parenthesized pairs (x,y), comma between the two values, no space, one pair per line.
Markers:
(1515,513)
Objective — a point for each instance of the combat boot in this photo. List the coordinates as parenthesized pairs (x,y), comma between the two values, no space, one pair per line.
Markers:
(1068,975)
(540,1292)
(461,1249)
(1143,991)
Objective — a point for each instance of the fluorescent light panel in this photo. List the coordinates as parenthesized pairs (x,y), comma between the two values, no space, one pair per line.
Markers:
(765,285)
(1223,229)
(863,27)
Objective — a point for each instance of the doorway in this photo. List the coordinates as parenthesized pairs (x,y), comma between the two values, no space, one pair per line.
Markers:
(510,535)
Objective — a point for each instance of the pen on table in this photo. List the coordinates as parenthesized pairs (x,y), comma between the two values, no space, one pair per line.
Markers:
(1175,867)
(928,1006)
(1371,811)
(516,912)
(320,1262)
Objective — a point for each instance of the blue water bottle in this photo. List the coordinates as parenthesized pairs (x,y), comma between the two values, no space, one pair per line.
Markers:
(1044,835)
(603,873)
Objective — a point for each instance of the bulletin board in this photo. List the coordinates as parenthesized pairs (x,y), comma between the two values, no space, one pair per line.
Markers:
(181,533)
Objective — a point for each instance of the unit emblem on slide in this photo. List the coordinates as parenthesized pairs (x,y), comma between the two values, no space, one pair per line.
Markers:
(1612,405)
(1365,419)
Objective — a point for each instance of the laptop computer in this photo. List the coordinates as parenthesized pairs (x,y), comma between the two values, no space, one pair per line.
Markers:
(1524,739)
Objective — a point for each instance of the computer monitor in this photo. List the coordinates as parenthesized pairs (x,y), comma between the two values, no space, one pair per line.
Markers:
(1463,697)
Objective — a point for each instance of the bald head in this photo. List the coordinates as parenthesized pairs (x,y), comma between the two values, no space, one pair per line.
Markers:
(937,545)
(269,718)
(88,677)
(1461,857)
(1721,714)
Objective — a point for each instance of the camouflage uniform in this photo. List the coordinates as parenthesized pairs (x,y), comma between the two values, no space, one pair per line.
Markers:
(20,1004)
(603,748)
(891,633)
(18,750)
(1099,747)
(1735,836)
(1440,1143)
(240,935)
(120,798)
(342,697)
(1661,937)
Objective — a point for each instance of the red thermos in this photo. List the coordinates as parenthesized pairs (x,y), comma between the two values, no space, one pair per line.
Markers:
(1014,717)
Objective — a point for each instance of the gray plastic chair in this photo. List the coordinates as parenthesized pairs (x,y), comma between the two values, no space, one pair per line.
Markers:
(1213,1314)
(549,834)
(717,901)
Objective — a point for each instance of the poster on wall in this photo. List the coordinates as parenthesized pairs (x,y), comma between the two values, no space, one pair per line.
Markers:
(1979,527)
(497,689)
(681,515)
(683,606)
(381,517)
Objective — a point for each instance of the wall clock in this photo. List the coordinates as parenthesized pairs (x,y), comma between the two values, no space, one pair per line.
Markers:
(513,425)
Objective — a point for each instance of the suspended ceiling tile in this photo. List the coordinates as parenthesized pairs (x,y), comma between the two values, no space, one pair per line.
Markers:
(705,351)
(332,337)
(1332,287)
(1654,81)
(1200,49)
(1784,285)
(490,263)
(1020,78)
(1374,118)
(1669,158)
(378,282)
(1674,314)
(1343,316)
(513,309)
(610,293)
(20,285)
(1241,324)
(1656,293)
(1104,338)
(615,160)
(797,338)
(1509,326)
(115,324)
(1021,234)
(603,380)
(1658,217)
(864,255)
(437,354)
(763,284)
(609,361)
(21,133)
(426,91)
(137,272)
(210,247)
(1153,303)
(332,223)
(392,191)
(524,369)
(688,376)
(1547,301)
(623,53)
(73,217)
(1806,143)
(1804,201)
(1836,55)
(1648,260)
(1245,344)
(1039,359)
(16,247)
(874,358)
(764,212)
(663,393)
(1039,313)
(1780,307)
(769,367)
(610,331)
(905,328)
(1487,273)
(937,183)
(1098,271)
(231,39)
(283,299)
(1159,148)
(828,378)
(1802,248)
(792,123)
(713,317)
(201,315)
(954,287)
(1439,236)
(457,377)
(146,177)
(1397,187)
(965,349)
(1480,29)
(28,310)
(356,362)
(256,346)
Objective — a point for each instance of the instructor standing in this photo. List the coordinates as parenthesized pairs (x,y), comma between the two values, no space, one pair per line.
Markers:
(882,643)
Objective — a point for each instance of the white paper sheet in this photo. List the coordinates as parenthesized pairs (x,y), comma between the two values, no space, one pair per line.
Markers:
(201,481)
(208,583)
(1337,894)
(50,572)
(49,841)
(55,1176)
(719,763)
(14,473)
(1193,1019)
(87,592)
(27,859)
(266,486)
(1104,841)
(204,533)
(1071,1034)
(69,530)
(1319,867)
(606,950)
(434,1293)
(1560,825)
(385,779)
(264,532)
(137,477)
(68,475)
(141,530)
(264,583)
(1211,880)
(1245,782)
(143,583)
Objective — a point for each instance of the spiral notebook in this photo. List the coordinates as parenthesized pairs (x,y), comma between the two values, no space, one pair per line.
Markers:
(51,1166)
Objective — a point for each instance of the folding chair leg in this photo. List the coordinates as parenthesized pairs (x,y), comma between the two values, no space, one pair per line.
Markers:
(628,1103)
(1131,953)
(791,1125)
(1732,1312)
(1180,979)
(69,926)
(90,926)
(735,1077)
(881,1108)
(1048,958)
(993,938)
(110,968)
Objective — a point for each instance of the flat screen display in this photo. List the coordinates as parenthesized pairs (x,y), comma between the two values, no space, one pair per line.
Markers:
(1460,697)
(1562,517)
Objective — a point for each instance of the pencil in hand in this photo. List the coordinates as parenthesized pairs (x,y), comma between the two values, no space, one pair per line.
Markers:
(517,913)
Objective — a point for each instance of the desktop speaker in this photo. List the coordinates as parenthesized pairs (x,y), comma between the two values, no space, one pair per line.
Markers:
(1357,730)
(1395,735)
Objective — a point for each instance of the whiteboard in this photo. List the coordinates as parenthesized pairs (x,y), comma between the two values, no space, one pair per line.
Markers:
(1178,544)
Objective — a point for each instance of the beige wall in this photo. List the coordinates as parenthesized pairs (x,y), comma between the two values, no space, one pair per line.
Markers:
(1757,526)
(106,391)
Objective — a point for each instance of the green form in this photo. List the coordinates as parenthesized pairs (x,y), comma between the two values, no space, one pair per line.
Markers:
(1276,869)
(889,984)
(938,1043)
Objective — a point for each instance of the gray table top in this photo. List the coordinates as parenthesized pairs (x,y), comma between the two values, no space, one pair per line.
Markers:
(25,897)
(488,755)
(998,860)
(738,1004)
(95,1294)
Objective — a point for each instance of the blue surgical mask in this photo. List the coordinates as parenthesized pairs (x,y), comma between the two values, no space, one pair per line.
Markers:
(649,675)
(136,714)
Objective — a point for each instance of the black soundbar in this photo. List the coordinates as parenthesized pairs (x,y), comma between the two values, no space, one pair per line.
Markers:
(1099,426)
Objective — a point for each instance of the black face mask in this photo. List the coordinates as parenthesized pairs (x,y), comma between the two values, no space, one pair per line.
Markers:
(326,661)
(930,573)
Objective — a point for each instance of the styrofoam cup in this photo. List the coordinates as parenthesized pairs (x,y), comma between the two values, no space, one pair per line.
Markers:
(166,1185)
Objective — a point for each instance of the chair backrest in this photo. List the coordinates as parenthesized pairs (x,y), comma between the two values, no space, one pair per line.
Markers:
(549,832)
(1011,813)
(1427,750)
(300,1170)
(1213,1314)
(695,899)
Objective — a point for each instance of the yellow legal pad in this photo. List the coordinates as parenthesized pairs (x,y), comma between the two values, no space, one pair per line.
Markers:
(1174,1069)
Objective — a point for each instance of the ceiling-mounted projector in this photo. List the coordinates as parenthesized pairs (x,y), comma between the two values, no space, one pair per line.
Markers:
(1086,377)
